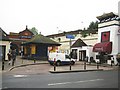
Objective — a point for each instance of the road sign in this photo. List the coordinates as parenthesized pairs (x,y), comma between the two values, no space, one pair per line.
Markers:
(70,36)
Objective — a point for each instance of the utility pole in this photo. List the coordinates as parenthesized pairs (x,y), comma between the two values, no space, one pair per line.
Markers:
(70,53)
(70,37)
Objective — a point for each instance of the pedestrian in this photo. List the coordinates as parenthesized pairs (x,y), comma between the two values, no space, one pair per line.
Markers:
(9,57)
(86,58)
(112,61)
(13,56)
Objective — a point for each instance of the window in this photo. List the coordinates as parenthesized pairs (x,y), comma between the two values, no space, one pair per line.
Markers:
(67,57)
(59,39)
(97,56)
(105,36)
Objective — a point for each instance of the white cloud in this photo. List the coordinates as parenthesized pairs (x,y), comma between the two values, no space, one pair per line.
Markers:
(47,15)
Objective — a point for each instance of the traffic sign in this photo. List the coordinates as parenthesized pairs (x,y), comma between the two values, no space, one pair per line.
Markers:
(70,36)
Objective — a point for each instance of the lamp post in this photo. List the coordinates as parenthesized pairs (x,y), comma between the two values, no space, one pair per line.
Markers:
(69,36)
(70,54)
(2,64)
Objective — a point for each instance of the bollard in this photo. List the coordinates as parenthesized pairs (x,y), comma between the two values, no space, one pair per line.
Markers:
(22,61)
(2,64)
(22,57)
(84,65)
(70,65)
(54,67)
(97,65)
(54,64)
(34,61)
(112,63)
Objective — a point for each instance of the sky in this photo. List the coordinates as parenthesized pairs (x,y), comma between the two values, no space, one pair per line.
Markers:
(52,16)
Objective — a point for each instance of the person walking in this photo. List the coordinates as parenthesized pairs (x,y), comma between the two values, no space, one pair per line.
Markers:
(9,57)
(13,56)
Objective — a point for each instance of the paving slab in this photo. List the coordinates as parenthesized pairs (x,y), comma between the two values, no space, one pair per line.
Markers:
(31,67)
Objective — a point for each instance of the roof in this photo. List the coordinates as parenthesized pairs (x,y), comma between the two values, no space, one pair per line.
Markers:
(3,35)
(40,39)
(64,33)
(107,16)
(26,30)
(79,43)
(72,32)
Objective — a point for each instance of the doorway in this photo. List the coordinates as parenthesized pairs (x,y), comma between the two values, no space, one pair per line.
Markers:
(82,55)
(2,52)
(14,46)
(74,53)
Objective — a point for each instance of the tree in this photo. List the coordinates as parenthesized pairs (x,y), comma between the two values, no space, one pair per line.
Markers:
(84,33)
(34,31)
(93,26)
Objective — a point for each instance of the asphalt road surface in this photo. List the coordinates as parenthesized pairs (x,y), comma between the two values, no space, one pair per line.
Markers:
(96,79)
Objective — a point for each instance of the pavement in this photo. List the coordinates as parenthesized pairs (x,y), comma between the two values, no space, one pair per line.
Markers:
(36,66)
(79,67)
(21,63)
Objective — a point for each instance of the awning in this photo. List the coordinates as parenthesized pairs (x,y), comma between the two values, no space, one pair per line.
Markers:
(103,47)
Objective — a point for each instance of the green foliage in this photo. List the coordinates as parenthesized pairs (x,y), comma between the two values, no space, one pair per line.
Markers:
(34,31)
(93,26)
(84,33)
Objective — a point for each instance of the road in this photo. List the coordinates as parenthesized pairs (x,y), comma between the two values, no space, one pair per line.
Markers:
(97,79)
(0,80)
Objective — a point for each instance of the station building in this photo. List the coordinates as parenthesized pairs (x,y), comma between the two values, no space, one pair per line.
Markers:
(80,46)
(38,47)
(108,44)
(101,46)
(80,50)
(4,45)
(18,38)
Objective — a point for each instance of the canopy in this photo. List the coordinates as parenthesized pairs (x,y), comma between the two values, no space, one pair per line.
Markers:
(103,47)
(40,39)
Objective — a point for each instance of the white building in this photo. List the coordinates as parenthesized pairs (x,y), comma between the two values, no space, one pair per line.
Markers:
(4,45)
(108,44)
(82,51)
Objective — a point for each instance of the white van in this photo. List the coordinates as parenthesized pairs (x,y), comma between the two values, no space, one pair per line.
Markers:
(60,59)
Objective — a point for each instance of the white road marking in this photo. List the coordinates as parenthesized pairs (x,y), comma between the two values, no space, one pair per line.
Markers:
(19,75)
(52,84)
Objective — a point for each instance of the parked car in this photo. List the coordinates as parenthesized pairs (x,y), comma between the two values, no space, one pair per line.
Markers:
(60,59)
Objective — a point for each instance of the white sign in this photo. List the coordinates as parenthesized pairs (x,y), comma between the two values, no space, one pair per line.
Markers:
(99,48)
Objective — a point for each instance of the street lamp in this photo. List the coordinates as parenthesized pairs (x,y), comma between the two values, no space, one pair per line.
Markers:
(69,36)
